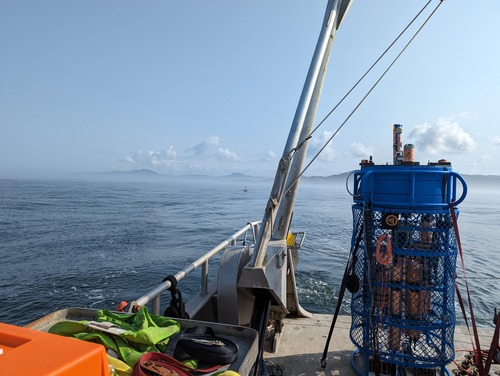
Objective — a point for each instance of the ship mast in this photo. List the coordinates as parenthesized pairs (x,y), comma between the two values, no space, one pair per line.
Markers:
(306,111)
(265,269)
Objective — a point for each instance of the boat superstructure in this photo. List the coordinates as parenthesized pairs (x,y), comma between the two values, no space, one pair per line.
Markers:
(257,276)
(401,213)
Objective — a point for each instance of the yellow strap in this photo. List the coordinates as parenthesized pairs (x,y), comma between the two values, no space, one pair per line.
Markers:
(120,368)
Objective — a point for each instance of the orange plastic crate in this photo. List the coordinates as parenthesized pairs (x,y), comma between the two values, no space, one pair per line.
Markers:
(29,352)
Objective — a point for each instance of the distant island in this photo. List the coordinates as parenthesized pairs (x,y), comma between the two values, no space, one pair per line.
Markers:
(234,175)
(336,178)
(142,172)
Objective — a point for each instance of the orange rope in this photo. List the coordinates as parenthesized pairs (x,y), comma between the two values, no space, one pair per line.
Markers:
(386,257)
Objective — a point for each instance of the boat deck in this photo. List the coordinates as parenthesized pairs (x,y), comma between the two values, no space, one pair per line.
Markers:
(303,341)
(300,349)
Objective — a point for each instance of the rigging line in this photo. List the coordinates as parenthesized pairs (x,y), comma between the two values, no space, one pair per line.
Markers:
(365,96)
(482,278)
(369,69)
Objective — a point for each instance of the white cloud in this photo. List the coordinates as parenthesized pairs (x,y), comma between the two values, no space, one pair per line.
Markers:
(444,136)
(153,159)
(227,155)
(207,146)
(359,150)
(316,144)
(496,140)
(201,158)
(271,155)
(171,153)
(483,159)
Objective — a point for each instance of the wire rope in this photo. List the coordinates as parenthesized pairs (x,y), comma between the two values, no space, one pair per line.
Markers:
(369,91)
(370,69)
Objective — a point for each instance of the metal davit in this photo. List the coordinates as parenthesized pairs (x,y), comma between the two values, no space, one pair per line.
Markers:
(403,313)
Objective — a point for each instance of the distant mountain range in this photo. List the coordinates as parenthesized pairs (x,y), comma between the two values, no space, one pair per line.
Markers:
(234,175)
(142,172)
(473,179)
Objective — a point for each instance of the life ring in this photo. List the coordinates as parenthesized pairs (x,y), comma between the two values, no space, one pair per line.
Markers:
(386,257)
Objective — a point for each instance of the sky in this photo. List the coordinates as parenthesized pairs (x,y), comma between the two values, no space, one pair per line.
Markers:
(211,87)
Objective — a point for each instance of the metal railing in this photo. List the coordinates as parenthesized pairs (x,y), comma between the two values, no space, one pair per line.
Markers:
(153,295)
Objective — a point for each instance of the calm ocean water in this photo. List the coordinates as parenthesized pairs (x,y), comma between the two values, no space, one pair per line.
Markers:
(94,243)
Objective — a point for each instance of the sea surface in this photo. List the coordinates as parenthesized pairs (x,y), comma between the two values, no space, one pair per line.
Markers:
(93,242)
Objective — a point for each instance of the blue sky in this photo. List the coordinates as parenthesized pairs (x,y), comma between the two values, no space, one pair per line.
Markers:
(211,87)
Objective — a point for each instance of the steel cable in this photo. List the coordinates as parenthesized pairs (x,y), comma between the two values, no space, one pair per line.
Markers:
(369,91)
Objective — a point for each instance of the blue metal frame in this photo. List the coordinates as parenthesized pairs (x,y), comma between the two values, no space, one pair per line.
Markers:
(407,321)
(368,179)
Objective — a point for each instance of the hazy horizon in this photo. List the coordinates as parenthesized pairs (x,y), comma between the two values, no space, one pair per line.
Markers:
(212,87)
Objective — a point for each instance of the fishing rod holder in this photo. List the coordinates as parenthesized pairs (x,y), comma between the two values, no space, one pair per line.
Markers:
(403,314)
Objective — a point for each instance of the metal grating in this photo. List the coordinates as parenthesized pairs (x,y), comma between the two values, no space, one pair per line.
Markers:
(404,311)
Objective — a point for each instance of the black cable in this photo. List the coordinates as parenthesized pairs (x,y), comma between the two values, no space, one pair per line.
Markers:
(260,316)
(341,297)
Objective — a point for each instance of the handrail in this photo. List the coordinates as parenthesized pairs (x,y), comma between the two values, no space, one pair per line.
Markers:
(347,182)
(153,295)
